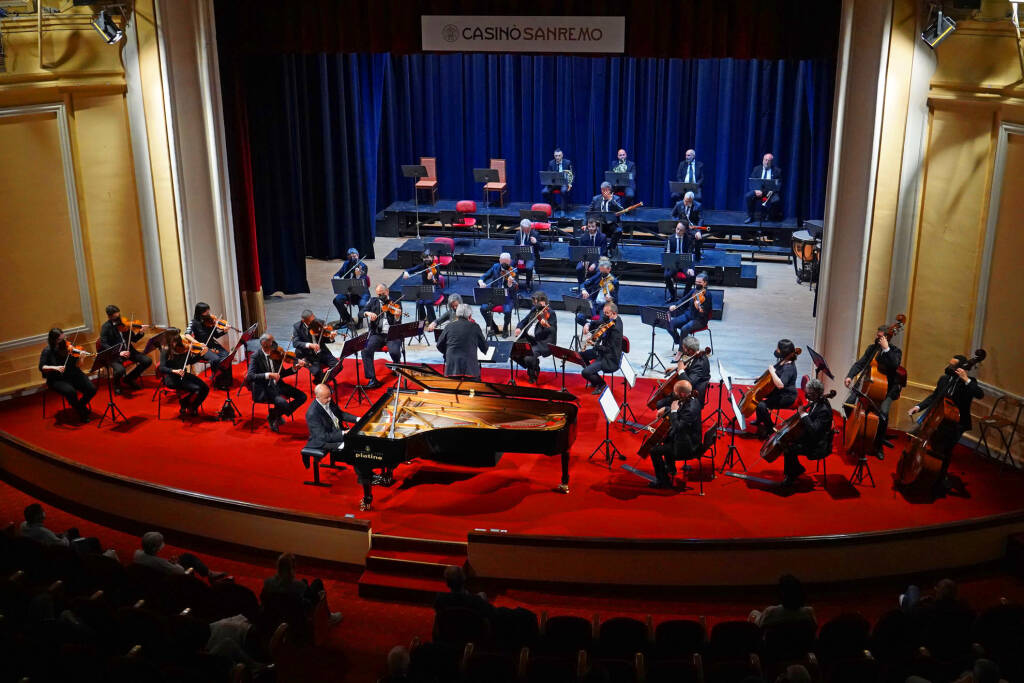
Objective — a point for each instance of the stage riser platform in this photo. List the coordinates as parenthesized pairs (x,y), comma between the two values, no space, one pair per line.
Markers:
(635,262)
(633,296)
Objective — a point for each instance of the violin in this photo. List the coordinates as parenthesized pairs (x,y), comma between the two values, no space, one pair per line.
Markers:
(75,351)
(279,355)
(181,346)
(322,332)
(217,324)
(921,463)
(870,387)
(544,317)
(598,333)
(762,387)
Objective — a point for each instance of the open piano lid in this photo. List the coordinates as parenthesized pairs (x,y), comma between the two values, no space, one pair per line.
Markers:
(432,380)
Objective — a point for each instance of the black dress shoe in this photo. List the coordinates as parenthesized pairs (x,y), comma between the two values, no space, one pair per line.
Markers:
(597,391)
(273,424)
(748,219)
(660,484)
(305,461)
(374,384)
(788,481)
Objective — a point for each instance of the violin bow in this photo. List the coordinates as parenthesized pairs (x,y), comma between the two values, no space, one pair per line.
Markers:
(68,351)
(352,267)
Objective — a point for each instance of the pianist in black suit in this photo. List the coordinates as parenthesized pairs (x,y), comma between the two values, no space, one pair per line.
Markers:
(592,238)
(680,243)
(459,343)
(690,171)
(552,193)
(540,330)
(326,432)
(265,380)
(755,198)
(608,203)
(624,165)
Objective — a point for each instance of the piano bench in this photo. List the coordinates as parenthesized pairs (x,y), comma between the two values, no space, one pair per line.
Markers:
(315,455)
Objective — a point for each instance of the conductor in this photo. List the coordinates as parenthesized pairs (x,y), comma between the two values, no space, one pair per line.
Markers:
(459,343)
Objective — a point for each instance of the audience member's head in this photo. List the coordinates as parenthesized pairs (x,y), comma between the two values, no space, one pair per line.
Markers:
(945,590)
(455,578)
(986,671)
(791,592)
(152,542)
(795,673)
(286,566)
(34,514)
(398,661)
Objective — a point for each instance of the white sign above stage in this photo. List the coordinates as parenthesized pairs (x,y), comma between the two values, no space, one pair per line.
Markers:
(452,33)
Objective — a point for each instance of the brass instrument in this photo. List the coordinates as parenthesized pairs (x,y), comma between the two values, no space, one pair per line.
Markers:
(620,167)
(569,177)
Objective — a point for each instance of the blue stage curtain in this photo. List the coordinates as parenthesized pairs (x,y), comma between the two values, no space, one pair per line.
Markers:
(329,133)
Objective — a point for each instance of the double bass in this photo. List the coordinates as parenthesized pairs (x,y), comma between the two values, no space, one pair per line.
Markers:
(762,387)
(787,434)
(869,388)
(921,463)
(664,390)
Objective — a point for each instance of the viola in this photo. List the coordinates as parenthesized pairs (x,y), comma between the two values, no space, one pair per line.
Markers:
(135,326)
(786,434)
(544,317)
(921,463)
(394,308)
(762,387)
(279,355)
(75,351)
(598,333)
(869,388)
(322,332)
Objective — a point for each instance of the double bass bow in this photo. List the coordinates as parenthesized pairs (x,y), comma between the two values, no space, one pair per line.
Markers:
(920,464)
(868,390)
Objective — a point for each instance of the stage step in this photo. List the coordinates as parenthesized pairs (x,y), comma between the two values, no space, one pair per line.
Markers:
(408,569)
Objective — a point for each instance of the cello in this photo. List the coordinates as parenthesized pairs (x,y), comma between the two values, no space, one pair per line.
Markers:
(869,388)
(786,434)
(664,390)
(921,463)
(762,387)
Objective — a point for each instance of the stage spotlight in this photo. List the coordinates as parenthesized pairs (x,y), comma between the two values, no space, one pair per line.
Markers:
(938,31)
(106,27)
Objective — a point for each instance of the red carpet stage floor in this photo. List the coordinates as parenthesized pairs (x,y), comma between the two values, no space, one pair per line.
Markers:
(431,500)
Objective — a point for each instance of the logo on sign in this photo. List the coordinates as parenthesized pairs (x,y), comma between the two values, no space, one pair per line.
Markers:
(450,33)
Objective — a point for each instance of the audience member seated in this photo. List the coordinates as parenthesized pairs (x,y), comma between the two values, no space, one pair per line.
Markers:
(153,542)
(284,583)
(458,596)
(791,607)
(795,673)
(32,528)
(983,671)
(398,665)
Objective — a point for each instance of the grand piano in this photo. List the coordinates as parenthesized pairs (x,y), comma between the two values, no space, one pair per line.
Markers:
(467,422)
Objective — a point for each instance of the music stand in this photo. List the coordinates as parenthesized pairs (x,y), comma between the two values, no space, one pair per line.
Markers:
(862,469)
(563,354)
(493,297)
(679,188)
(576,305)
(655,317)
(628,381)
(610,408)
(160,340)
(351,347)
(484,176)
(820,366)
(417,293)
(553,178)
(733,453)
(403,331)
(667,227)
(102,361)
(587,255)
(764,185)
(618,180)
(415,172)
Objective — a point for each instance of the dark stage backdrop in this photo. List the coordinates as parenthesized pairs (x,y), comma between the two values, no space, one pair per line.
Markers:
(327,134)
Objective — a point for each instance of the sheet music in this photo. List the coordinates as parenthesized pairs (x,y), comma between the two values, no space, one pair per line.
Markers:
(627,371)
(609,405)
(481,356)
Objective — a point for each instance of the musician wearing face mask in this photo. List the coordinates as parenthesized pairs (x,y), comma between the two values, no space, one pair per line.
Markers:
(889,356)
(501,274)
(379,310)
(459,343)
(206,330)
(265,379)
(962,389)
(540,330)
(327,433)
(311,347)
(683,441)
(784,393)
(115,333)
(816,442)
(696,369)
(58,364)
(448,314)
(592,238)
(429,274)
(607,351)
(607,203)
(768,201)
(691,315)
(176,374)
(352,267)
(552,193)
(624,165)
(679,243)
(526,236)
(600,288)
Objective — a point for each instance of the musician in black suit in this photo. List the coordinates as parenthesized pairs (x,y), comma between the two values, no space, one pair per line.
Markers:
(690,171)
(695,316)
(203,328)
(429,275)
(962,389)
(683,441)
(525,236)
(592,238)
(110,336)
(600,288)
(607,353)
(448,314)
(608,203)
(310,348)
(501,274)
(62,374)
(265,380)
(377,339)
(624,165)
(755,198)
(327,433)
(176,373)
(679,243)
(889,357)
(552,192)
(539,329)
(459,343)
(352,267)
(696,370)
(783,394)
(816,442)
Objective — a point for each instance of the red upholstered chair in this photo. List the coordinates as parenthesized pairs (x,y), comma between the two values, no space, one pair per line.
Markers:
(540,206)
(429,181)
(501,187)
(464,207)
(543,226)
(447,261)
